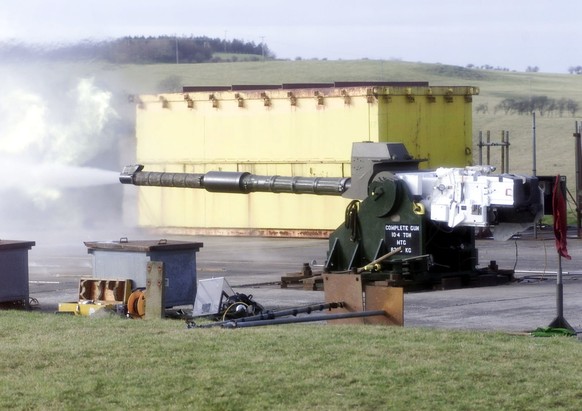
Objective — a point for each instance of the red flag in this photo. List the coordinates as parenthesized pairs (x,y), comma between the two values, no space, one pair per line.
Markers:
(560,223)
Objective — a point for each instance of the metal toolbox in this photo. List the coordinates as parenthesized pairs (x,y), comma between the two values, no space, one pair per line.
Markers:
(128,259)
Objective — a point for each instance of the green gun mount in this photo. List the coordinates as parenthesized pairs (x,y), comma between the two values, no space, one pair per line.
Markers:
(430,217)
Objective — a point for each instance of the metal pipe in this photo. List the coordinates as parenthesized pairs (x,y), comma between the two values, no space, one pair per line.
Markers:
(326,317)
(577,154)
(504,144)
(270,315)
(533,114)
(503,170)
(297,185)
(480,148)
(559,290)
(236,182)
(506,151)
(488,147)
(379,260)
(560,321)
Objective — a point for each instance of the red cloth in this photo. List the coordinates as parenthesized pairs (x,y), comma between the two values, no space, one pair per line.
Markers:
(560,223)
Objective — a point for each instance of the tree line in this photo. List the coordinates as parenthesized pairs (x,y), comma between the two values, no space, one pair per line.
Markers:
(542,104)
(487,67)
(140,50)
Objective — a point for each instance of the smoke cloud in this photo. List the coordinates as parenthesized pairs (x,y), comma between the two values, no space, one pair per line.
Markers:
(58,153)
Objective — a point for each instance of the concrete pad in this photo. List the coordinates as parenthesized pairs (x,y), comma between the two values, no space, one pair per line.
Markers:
(255,266)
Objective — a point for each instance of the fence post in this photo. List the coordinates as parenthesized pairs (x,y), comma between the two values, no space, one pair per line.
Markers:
(480,148)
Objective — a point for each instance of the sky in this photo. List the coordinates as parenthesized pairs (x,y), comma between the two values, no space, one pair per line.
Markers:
(513,34)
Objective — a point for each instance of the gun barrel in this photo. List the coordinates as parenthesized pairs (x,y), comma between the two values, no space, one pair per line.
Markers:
(236,182)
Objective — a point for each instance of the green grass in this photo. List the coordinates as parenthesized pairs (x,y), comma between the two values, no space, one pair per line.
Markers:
(71,363)
(236,57)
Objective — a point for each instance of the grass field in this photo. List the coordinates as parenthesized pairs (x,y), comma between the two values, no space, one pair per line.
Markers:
(52,362)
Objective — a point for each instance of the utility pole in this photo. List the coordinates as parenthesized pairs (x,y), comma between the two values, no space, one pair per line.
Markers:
(578,162)
(263,47)
(533,114)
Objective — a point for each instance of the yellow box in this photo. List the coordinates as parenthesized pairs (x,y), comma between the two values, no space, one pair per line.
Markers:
(290,131)
(90,308)
(96,294)
(82,308)
(72,308)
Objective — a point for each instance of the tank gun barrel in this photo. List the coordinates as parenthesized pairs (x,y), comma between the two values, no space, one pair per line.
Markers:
(235,182)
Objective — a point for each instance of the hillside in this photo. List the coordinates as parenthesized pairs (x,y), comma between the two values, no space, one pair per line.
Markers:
(555,144)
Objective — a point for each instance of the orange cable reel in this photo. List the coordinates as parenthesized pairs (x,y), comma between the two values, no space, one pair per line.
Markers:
(136,304)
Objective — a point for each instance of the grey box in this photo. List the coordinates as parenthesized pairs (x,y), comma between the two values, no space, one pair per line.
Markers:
(126,259)
(14,270)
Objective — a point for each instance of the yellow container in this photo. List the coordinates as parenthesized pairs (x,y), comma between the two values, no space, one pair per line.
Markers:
(88,309)
(95,294)
(72,308)
(291,131)
(81,308)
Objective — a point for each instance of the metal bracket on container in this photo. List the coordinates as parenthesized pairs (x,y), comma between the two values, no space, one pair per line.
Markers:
(214,100)
(266,99)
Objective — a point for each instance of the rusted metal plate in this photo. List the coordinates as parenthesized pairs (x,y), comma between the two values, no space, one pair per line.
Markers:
(389,299)
(346,288)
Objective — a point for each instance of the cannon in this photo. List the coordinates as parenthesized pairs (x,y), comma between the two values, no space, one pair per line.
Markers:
(423,220)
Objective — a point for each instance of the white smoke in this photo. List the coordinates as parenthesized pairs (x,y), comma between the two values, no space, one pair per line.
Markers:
(66,129)
(23,121)
(84,133)
(48,136)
